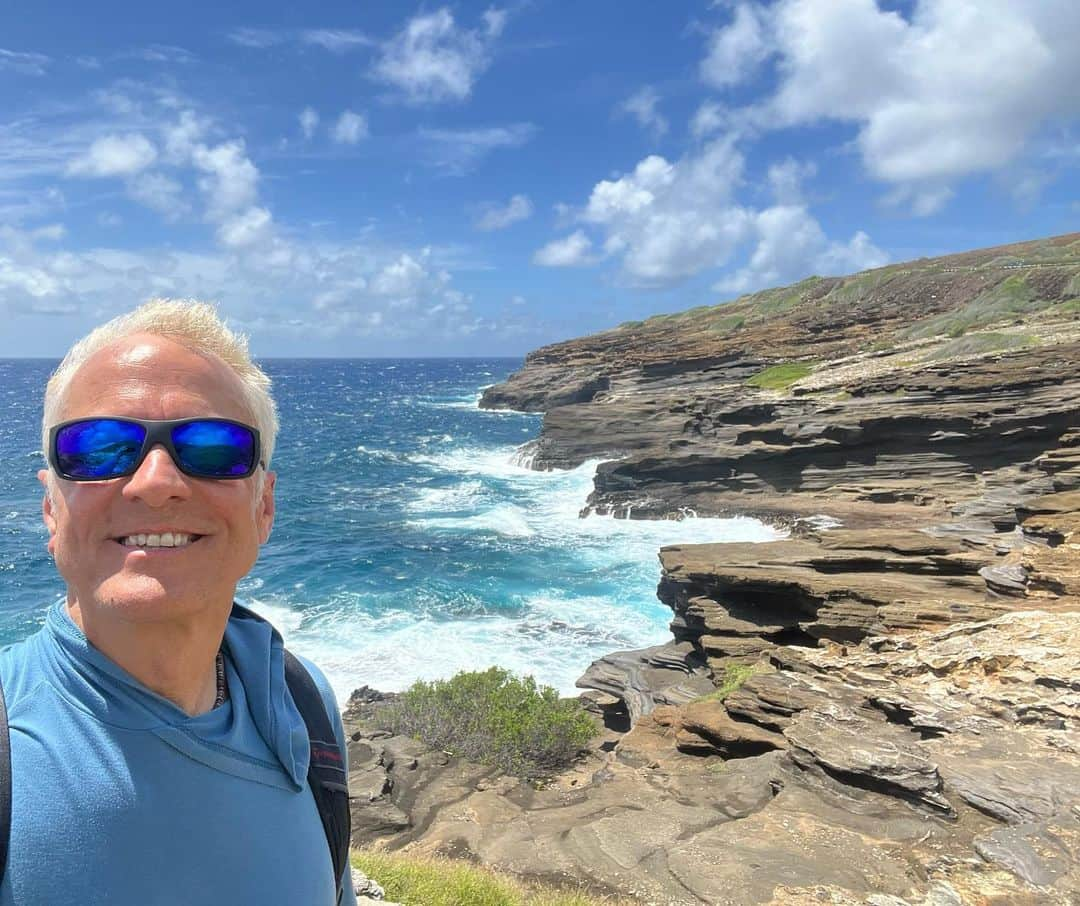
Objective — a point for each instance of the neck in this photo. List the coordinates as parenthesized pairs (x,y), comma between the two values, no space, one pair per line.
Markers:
(177,660)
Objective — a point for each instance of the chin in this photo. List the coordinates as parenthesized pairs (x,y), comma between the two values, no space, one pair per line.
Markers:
(149,599)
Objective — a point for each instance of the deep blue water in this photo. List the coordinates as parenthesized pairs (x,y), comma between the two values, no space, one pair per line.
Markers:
(407,542)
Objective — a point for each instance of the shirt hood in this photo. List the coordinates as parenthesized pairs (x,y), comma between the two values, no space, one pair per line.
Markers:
(257,734)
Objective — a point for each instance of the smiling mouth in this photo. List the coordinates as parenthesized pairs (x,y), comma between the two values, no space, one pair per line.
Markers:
(157,541)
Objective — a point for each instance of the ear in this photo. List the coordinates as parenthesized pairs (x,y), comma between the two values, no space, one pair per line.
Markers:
(47,514)
(265,507)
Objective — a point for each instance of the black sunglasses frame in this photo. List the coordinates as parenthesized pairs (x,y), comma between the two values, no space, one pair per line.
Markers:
(157,432)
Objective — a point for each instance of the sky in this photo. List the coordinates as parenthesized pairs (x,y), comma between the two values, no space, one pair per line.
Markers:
(388,179)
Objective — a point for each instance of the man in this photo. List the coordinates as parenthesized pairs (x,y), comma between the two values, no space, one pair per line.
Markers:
(157,754)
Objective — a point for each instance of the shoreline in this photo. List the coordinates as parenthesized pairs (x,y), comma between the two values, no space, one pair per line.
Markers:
(893,705)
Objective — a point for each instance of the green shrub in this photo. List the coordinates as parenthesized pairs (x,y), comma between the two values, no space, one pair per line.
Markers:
(734,676)
(435,881)
(495,718)
(780,377)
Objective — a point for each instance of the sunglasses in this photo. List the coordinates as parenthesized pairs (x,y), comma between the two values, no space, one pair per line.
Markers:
(97,449)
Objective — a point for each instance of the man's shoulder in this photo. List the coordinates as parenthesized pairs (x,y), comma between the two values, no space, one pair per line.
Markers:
(21,668)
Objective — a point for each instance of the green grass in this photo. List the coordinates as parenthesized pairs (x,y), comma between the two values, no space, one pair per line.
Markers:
(433,881)
(982,344)
(1010,298)
(858,287)
(726,325)
(734,676)
(496,718)
(780,377)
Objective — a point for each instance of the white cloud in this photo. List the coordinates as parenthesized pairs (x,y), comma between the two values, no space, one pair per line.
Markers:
(496,217)
(642,106)
(115,155)
(408,280)
(786,178)
(294,288)
(52,232)
(954,89)
(432,59)
(163,53)
(572,251)
(309,122)
(710,117)
(336,40)
(246,228)
(457,150)
(736,50)
(669,221)
(258,38)
(160,193)
(791,245)
(230,178)
(350,128)
(23,63)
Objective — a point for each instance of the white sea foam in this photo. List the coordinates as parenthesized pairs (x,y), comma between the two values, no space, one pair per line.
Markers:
(554,640)
(555,632)
(506,519)
(456,497)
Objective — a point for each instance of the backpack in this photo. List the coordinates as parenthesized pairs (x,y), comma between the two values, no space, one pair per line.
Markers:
(326,771)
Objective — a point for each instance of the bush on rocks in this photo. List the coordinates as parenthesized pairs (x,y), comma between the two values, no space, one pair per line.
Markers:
(495,718)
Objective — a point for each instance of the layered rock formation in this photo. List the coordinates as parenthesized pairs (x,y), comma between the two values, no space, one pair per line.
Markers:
(884,708)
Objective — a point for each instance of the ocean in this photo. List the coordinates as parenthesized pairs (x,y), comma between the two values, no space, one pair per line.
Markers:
(408,543)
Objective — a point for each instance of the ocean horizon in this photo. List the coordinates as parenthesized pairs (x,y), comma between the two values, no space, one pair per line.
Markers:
(409,543)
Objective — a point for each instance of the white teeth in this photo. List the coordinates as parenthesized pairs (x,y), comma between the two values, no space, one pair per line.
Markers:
(165,539)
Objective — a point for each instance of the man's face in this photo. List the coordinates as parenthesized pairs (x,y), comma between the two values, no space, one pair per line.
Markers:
(151,377)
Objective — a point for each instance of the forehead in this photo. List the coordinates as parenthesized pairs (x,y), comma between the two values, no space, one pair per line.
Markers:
(147,376)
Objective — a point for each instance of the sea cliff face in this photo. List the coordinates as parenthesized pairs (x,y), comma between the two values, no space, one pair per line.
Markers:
(884,708)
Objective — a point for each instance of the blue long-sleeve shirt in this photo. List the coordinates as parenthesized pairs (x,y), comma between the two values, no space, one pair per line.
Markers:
(121,798)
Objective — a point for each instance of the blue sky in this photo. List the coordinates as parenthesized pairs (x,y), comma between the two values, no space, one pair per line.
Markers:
(385,179)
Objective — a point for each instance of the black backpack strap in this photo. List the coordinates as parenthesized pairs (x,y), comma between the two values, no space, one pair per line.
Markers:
(326,771)
(5,785)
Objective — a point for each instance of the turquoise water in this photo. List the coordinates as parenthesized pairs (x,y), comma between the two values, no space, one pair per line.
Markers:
(408,542)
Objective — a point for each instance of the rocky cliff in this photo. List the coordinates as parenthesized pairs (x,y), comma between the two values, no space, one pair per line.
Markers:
(883,708)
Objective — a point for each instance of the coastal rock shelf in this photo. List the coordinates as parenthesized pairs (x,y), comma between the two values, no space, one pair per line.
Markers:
(884,707)
(945,761)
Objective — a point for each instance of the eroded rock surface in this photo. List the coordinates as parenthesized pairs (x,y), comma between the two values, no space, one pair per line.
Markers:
(890,767)
(882,709)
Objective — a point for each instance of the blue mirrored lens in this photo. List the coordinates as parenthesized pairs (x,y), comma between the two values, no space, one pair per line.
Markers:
(214,449)
(98,448)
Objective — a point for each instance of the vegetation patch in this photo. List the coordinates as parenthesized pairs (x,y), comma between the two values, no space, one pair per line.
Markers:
(858,287)
(1011,298)
(726,325)
(432,881)
(734,676)
(780,377)
(493,717)
(982,344)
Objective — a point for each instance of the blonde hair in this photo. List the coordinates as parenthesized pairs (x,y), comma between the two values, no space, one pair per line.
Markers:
(190,323)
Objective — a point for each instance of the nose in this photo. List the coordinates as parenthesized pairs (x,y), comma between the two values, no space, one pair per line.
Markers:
(157,481)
